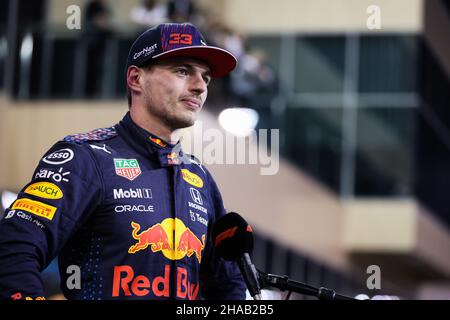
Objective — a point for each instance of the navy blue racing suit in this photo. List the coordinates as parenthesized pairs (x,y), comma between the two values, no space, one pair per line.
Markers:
(129,217)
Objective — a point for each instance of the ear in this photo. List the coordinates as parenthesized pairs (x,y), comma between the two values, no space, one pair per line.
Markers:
(133,78)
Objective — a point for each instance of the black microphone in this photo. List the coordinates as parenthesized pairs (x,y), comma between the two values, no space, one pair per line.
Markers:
(233,241)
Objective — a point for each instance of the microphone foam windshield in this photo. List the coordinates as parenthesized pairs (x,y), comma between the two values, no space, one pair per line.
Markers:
(232,236)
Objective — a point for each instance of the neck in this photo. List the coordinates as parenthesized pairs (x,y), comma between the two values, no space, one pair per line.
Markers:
(147,122)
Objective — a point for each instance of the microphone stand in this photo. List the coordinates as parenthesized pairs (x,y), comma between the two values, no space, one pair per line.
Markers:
(251,276)
(284,283)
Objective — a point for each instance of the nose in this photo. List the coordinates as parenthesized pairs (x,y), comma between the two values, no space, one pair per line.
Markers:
(198,84)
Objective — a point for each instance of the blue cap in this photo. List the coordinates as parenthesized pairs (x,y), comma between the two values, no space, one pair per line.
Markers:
(179,40)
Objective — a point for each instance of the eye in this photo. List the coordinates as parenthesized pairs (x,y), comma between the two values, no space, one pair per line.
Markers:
(182,71)
(207,79)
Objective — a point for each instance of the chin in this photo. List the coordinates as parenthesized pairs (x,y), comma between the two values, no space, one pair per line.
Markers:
(184,123)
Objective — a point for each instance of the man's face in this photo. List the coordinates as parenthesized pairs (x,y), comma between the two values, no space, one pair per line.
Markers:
(174,91)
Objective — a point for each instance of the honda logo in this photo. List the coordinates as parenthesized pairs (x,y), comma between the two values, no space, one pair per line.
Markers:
(196,196)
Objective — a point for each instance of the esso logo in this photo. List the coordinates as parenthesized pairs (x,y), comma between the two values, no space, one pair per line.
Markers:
(59,157)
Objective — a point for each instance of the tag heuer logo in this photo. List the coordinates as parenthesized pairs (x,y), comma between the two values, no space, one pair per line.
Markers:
(127,168)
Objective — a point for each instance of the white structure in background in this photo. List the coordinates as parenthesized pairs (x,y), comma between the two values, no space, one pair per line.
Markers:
(8,198)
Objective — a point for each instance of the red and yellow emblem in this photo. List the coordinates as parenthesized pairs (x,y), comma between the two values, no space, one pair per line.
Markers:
(157,141)
(158,238)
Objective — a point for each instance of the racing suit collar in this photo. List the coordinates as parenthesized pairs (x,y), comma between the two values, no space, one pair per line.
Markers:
(149,144)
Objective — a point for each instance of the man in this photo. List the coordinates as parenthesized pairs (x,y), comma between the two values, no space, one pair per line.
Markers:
(123,207)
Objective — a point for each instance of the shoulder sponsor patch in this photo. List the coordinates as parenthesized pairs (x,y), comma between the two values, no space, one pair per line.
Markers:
(36,207)
(45,190)
(127,168)
(59,176)
(24,216)
(59,157)
(192,178)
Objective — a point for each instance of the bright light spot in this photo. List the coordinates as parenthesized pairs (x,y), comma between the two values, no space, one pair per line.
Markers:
(8,198)
(239,121)
(385,297)
(362,296)
(27,47)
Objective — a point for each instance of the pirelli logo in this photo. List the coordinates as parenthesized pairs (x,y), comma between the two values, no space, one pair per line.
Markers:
(38,208)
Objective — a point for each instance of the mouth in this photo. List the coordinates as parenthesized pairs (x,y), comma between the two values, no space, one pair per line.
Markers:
(192,103)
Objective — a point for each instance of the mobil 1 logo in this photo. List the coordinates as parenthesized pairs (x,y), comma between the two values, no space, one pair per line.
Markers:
(132,193)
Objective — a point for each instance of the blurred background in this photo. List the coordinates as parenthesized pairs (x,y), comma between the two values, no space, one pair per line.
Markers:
(360,95)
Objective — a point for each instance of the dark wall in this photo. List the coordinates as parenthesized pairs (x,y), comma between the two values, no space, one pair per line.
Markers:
(17,17)
(433,137)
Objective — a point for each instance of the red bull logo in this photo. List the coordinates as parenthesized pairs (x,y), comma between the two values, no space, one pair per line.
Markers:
(155,236)
(184,242)
(126,283)
(172,159)
(189,244)
(172,155)
(158,142)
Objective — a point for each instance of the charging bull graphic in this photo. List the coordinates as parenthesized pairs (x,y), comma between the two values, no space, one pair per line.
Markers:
(155,236)
(171,237)
(190,244)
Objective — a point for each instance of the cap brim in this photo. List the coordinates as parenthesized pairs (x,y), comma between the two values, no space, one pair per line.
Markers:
(219,60)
